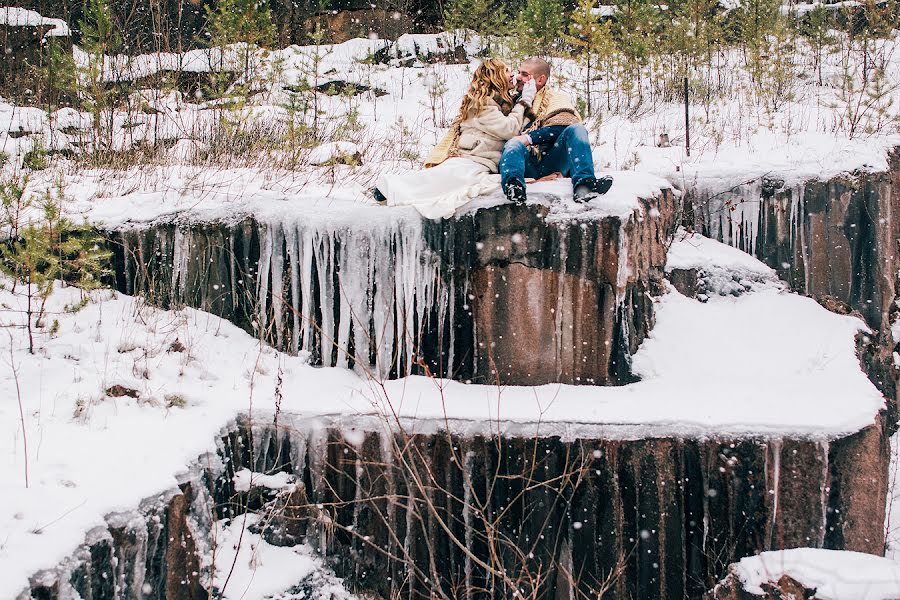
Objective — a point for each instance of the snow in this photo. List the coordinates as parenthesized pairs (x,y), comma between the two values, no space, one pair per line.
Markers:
(68,117)
(835,575)
(261,570)
(321,155)
(126,67)
(694,251)
(186,150)
(245,479)
(734,144)
(198,194)
(21,17)
(410,45)
(605,10)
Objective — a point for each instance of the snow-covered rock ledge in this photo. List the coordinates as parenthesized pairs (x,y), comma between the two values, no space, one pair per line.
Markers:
(321,488)
(831,233)
(354,284)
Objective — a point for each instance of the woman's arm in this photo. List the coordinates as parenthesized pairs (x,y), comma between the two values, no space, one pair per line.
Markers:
(492,120)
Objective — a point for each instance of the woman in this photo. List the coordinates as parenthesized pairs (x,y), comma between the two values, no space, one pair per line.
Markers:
(463,163)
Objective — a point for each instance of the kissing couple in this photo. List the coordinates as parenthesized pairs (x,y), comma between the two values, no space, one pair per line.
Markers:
(508,123)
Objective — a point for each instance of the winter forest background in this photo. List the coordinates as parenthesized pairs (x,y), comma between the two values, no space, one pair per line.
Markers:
(226,371)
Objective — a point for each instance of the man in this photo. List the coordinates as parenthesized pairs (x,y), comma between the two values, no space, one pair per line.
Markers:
(554,140)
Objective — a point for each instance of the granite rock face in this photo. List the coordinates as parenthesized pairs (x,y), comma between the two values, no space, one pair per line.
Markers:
(501,294)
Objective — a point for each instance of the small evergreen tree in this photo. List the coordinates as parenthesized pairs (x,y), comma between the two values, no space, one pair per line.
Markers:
(593,46)
(540,26)
(99,38)
(245,22)
(45,250)
(487,18)
(753,21)
(58,73)
(815,29)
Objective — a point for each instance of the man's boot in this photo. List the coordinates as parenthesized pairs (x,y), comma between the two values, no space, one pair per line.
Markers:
(591,188)
(515,191)
(377,195)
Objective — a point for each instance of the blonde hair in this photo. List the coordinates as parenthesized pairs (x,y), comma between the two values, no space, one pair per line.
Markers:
(491,80)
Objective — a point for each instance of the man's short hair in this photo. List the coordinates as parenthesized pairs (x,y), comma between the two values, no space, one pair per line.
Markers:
(539,65)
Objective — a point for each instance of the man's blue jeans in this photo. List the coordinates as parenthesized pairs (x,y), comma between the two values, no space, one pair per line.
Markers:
(569,155)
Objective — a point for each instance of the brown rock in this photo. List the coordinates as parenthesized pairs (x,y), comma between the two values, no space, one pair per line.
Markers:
(117,391)
(182,573)
(786,588)
(686,281)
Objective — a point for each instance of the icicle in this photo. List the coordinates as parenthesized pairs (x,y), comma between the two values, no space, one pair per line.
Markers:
(560,303)
(804,248)
(324,251)
(126,259)
(261,441)
(318,443)
(305,247)
(623,270)
(292,246)
(383,311)
(792,226)
(181,255)
(383,308)
(358,500)
(824,447)
(467,516)
(232,273)
(448,320)
(776,478)
(345,319)
(265,258)
(378,287)
(277,283)
(298,450)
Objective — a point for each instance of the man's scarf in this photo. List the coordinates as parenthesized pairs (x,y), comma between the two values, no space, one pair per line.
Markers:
(553,108)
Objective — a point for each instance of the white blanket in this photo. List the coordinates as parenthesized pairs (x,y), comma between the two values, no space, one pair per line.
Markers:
(437,192)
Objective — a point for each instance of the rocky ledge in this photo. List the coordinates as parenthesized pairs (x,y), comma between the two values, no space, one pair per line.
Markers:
(546,292)
(836,240)
(396,512)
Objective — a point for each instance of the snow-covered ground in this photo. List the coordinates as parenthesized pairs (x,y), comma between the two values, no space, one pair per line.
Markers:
(194,194)
(735,139)
(701,367)
(247,567)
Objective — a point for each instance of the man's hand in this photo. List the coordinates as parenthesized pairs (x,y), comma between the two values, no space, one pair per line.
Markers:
(524,138)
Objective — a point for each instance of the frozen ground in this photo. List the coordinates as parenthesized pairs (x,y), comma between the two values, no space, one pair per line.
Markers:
(90,453)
